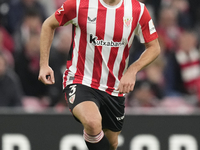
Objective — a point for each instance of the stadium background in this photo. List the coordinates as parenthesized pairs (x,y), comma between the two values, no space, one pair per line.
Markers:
(161,113)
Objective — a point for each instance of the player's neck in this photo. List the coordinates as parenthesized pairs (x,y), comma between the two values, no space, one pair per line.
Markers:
(111,2)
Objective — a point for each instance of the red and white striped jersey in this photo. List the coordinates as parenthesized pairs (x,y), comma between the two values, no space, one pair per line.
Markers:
(102,38)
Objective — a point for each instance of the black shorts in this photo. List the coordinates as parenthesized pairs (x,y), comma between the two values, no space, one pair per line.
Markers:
(110,107)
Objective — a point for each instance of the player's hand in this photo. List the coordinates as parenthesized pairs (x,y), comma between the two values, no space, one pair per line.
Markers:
(46,75)
(127,83)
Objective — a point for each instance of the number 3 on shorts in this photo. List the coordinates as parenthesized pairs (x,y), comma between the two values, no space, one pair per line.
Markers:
(72,89)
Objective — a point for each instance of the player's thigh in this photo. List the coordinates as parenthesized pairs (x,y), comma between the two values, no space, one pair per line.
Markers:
(88,114)
(112,138)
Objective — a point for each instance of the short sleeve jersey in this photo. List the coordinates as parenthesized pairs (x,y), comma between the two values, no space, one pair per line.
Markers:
(103,35)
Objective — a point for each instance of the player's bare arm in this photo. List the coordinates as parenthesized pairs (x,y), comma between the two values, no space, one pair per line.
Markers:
(127,82)
(46,74)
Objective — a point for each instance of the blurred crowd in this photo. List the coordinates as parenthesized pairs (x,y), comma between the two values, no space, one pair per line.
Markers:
(171,81)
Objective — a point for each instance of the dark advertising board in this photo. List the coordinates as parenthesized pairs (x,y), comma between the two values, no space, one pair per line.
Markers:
(62,132)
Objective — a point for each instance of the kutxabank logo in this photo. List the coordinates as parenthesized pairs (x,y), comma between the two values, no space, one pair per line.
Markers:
(94,41)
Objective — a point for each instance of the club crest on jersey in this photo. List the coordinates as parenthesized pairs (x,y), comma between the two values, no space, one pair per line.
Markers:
(71,99)
(127,21)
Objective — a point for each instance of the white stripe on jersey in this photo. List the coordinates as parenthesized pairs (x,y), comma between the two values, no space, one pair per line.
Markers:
(142,11)
(91,27)
(109,30)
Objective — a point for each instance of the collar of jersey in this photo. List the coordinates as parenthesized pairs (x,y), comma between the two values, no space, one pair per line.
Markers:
(113,7)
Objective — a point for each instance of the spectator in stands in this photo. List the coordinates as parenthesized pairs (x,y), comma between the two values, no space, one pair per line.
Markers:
(195,15)
(49,5)
(168,29)
(143,95)
(10,89)
(183,67)
(19,8)
(182,7)
(195,12)
(149,88)
(155,74)
(31,24)
(4,40)
(4,8)
(27,67)
(7,42)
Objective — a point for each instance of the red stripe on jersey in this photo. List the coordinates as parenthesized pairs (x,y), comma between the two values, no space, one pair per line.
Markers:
(66,12)
(118,32)
(100,31)
(82,21)
(69,62)
(144,22)
(65,78)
